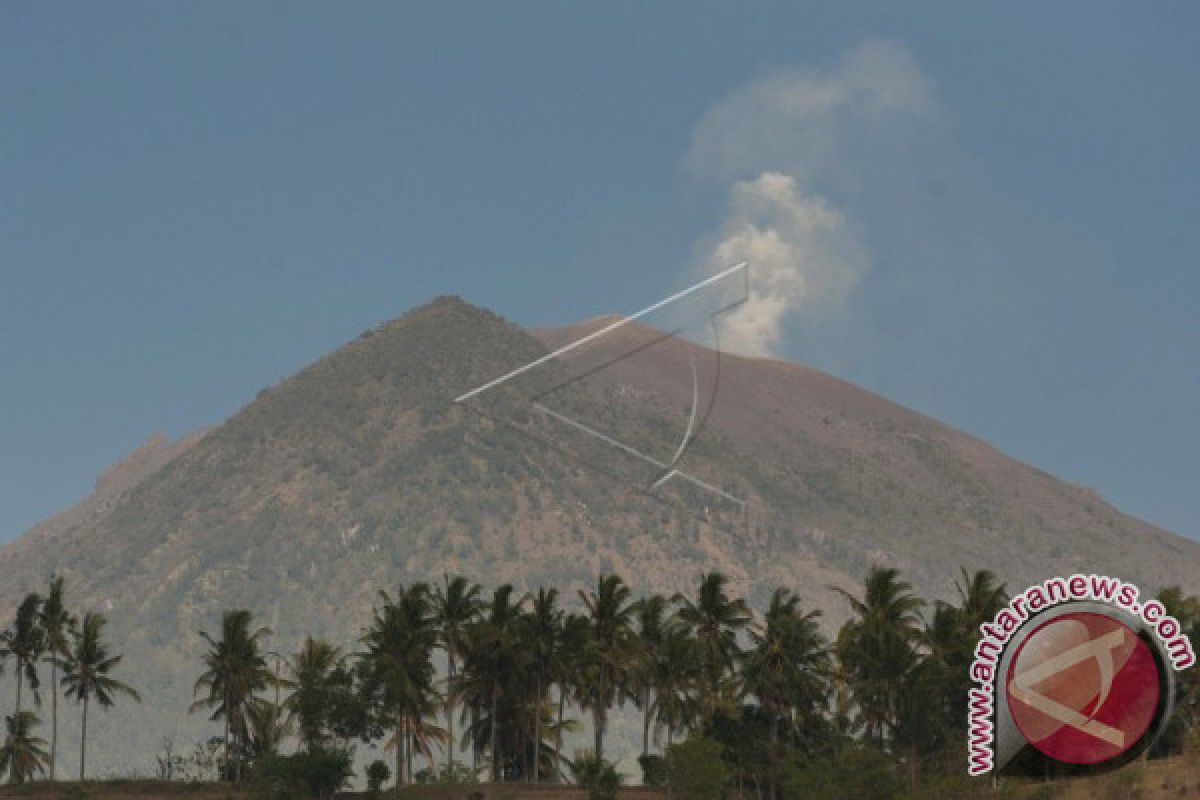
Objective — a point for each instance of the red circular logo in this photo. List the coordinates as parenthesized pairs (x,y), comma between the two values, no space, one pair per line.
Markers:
(1083,688)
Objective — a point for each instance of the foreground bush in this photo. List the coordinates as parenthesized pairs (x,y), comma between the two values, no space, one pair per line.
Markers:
(598,776)
(302,775)
(696,771)
(861,772)
(377,775)
(654,770)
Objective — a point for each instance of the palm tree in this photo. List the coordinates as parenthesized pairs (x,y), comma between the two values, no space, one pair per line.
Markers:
(935,696)
(1185,712)
(980,598)
(398,667)
(574,647)
(236,668)
(420,734)
(878,648)
(87,675)
(541,633)
(456,606)
(57,624)
(787,668)
(313,670)
(931,709)
(676,671)
(23,754)
(651,618)
(715,620)
(611,655)
(267,727)
(25,642)
(493,677)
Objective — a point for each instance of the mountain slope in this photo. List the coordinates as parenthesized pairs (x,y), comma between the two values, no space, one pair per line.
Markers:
(359,473)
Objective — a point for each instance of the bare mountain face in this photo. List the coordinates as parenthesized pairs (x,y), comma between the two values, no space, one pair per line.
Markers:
(360,473)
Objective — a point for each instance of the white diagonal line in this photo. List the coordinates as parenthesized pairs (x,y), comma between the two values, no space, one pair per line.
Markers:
(638,454)
(596,334)
(602,437)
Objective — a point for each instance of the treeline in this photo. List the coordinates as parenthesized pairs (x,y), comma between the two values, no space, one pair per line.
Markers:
(45,637)
(728,697)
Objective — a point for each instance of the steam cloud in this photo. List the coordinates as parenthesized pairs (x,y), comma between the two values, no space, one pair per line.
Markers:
(789,142)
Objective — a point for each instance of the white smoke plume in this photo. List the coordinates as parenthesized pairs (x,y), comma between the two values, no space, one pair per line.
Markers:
(804,256)
(791,141)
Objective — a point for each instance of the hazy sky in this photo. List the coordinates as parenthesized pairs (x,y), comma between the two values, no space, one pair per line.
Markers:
(987,212)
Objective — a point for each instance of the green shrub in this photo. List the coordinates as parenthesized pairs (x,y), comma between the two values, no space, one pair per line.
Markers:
(696,771)
(598,776)
(861,772)
(654,770)
(377,775)
(318,774)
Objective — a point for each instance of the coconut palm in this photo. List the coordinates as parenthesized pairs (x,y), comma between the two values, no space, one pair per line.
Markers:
(541,632)
(315,670)
(787,666)
(24,754)
(675,673)
(268,725)
(714,620)
(878,648)
(652,623)
(236,668)
(786,669)
(398,666)
(1185,712)
(25,641)
(574,648)
(57,625)
(421,734)
(980,598)
(87,677)
(609,611)
(456,606)
(492,678)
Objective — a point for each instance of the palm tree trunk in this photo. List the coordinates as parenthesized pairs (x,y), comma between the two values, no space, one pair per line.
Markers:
(83,741)
(226,766)
(238,747)
(450,713)
(20,680)
(475,736)
(537,731)
(562,702)
(408,748)
(495,737)
(53,715)
(402,745)
(670,737)
(912,769)
(645,722)
(399,754)
(599,721)
(771,767)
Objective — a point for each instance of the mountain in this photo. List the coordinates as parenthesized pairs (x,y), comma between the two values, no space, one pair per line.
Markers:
(119,478)
(360,472)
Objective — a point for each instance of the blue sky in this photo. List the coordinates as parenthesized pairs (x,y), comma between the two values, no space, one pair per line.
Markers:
(984,211)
